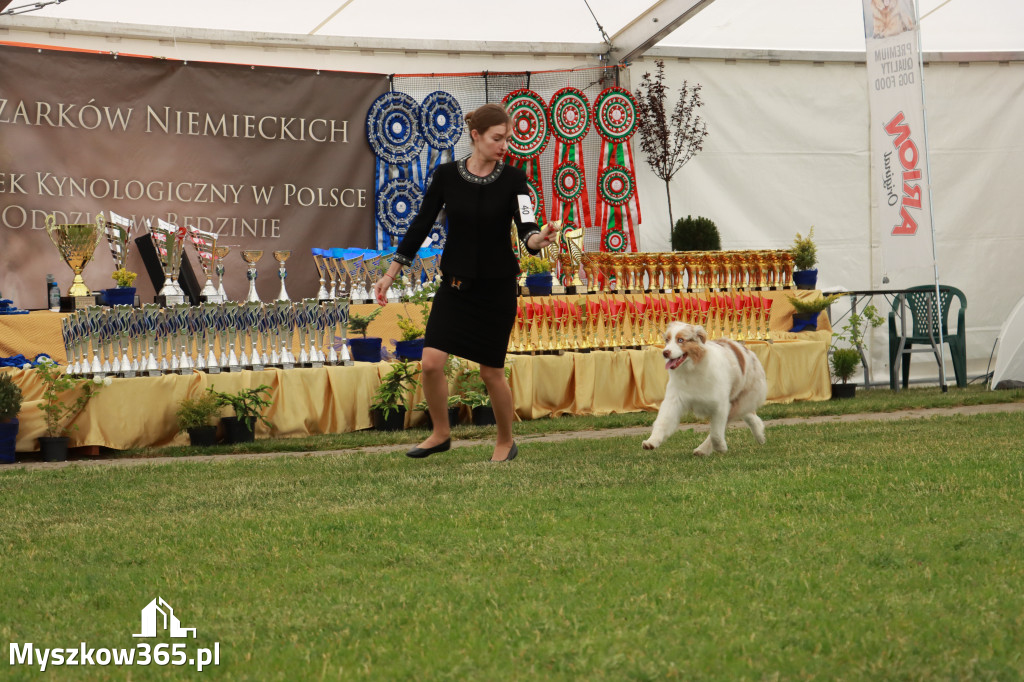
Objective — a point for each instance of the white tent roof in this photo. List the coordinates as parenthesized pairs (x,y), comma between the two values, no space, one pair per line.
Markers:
(815,25)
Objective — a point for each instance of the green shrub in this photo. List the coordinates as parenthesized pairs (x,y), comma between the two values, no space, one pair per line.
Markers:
(10,397)
(804,252)
(695,234)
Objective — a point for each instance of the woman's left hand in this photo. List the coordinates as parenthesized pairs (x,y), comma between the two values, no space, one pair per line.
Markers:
(548,235)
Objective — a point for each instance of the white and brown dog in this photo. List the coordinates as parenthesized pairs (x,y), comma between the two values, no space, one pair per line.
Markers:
(720,380)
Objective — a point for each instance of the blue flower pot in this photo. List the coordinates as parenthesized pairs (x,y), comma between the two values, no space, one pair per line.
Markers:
(539,284)
(119,296)
(409,350)
(805,279)
(365,350)
(8,439)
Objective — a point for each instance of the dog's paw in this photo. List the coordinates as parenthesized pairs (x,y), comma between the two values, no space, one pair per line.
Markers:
(649,444)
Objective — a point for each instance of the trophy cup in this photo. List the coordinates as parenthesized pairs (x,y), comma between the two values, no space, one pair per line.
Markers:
(181,358)
(252,257)
(253,314)
(321,268)
(282,273)
(340,315)
(118,231)
(315,318)
(285,317)
(148,324)
(209,334)
(370,271)
(232,312)
(219,254)
(76,245)
(206,248)
(332,261)
(165,242)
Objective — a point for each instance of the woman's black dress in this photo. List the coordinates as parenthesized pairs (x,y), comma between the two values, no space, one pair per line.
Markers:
(473,311)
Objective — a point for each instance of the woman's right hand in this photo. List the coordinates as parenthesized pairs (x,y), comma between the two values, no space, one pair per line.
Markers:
(380,289)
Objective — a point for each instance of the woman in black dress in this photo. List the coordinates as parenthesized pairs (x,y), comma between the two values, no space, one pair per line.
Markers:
(474,309)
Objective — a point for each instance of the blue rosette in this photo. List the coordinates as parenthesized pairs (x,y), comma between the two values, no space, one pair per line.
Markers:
(393,128)
(397,203)
(441,120)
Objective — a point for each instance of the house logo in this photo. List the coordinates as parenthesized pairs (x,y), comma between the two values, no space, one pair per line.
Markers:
(159,613)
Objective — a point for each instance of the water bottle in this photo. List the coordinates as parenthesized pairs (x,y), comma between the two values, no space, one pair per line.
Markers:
(52,293)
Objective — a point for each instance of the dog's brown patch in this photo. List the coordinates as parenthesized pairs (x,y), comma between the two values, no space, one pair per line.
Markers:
(692,348)
(737,350)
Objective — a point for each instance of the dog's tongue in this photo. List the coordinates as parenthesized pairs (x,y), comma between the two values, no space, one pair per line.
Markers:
(675,362)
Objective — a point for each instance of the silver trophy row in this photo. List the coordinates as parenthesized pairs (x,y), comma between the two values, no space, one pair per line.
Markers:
(211,337)
(344,274)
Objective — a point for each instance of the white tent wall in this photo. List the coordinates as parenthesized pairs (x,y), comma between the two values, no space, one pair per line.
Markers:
(788,146)
(788,149)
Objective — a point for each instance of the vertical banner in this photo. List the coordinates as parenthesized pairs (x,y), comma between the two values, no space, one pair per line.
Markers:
(899,154)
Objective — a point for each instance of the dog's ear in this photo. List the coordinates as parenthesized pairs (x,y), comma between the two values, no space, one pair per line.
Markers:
(701,333)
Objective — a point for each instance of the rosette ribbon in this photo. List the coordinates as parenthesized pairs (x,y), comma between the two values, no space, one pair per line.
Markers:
(570,122)
(618,208)
(393,131)
(530,134)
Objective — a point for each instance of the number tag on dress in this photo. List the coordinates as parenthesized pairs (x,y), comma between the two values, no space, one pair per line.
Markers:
(525,208)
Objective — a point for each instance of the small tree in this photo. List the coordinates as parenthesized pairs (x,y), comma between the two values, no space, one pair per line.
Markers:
(668,143)
(696,234)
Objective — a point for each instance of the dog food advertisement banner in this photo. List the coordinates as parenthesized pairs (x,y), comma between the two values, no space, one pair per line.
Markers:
(899,154)
(267,158)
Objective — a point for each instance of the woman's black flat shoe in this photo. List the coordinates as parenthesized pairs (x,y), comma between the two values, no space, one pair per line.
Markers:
(418,453)
(512,452)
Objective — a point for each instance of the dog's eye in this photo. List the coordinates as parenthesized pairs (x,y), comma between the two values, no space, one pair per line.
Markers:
(680,339)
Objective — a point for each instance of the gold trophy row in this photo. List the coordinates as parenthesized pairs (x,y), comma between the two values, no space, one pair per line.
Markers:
(559,324)
(677,271)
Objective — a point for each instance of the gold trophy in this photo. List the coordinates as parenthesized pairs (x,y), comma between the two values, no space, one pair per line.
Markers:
(219,254)
(76,244)
(252,257)
(282,273)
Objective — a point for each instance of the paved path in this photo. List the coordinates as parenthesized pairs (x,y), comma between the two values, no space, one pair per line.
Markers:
(638,431)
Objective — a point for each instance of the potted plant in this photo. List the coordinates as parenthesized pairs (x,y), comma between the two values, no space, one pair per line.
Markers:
(196,415)
(248,405)
(59,412)
(124,293)
(392,398)
(538,275)
(805,257)
(469,390)
(805,315)
(844,359)
(10,406)
(695,234)
(363,349)
(410,346)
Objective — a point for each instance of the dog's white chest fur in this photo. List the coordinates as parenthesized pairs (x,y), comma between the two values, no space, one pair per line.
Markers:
(720,380)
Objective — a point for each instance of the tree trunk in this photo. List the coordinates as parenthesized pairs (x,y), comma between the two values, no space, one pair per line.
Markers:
(671,223)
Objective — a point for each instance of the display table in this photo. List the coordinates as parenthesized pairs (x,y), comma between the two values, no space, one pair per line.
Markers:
(139,412)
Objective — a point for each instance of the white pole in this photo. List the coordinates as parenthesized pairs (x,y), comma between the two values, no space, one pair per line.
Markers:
(931,203)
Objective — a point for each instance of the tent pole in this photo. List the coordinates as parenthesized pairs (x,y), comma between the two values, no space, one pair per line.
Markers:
(931,204)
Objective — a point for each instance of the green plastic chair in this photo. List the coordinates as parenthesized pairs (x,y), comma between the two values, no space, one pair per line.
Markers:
(918,300)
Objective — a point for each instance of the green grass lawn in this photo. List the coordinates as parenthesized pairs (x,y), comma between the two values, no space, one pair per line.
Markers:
(864,551)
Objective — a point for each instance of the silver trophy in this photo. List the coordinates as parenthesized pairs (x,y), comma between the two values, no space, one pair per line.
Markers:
(353,275)
(151,328)
(219,254)
(340,343)
(183,338)
(137,335)
(252,313)
(332,268)
(210,312)
(197,329)
(94,323)
(69,332)
(121,320)
(321,268)
(315,313)
(205,244)
(252,256)
(118,230)
(282,273)
(169,242)
(369,273)
(285,315)
(233,315)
